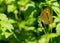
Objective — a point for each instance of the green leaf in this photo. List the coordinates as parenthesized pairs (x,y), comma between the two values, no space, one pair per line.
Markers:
(3,17)
(29,28)
(58,29)
(11,21)
(55,7)
(45,38)
(32,41)
(31,21)
(23,2)
(28,10)
(9,1)
(5,25)
(6,34)
(11,8)
(1,1)
(57,19)
(21,24)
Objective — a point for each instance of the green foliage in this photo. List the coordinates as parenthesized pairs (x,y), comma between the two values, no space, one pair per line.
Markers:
(5,26)
(19,21)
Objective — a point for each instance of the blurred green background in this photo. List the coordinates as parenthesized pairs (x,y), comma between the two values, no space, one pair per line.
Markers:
(19,21)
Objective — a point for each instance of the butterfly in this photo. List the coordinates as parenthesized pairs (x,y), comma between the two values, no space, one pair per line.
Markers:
(45,16)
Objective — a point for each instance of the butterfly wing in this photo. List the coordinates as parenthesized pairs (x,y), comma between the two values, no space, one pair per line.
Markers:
(45,16)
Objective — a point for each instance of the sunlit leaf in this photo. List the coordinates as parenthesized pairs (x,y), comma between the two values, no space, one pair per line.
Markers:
(11,8)
(45,38)
(3,17)
(22,25)
(29,28)
(23,2)
(58,29)
(1,1)
(55,7)
(57,19)
(6,34)
(9,1)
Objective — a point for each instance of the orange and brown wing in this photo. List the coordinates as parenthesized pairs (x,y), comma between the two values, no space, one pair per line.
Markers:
(45,16)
